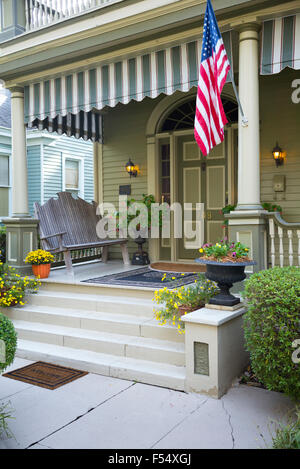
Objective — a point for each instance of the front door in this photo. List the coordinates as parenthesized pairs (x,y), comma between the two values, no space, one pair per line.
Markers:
(201,179)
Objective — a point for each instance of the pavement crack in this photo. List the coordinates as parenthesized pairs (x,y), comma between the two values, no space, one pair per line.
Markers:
(230,424)
(80,416)
(179,423)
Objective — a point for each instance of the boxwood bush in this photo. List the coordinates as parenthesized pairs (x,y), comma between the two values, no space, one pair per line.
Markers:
(9,336)
(271,325)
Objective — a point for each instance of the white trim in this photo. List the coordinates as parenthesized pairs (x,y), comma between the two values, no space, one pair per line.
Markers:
(68,156)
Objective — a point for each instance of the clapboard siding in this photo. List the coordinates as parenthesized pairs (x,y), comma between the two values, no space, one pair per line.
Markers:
(5,149)
(280,121)
(34,175)
(53,165)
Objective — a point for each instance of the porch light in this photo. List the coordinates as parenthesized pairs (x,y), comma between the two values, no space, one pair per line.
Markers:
(278,155)
(132,169)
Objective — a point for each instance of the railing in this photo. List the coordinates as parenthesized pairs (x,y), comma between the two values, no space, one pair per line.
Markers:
(41,13)
(284,247)
(82,255)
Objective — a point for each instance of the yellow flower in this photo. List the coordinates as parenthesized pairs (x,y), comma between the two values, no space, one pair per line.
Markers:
(201,250)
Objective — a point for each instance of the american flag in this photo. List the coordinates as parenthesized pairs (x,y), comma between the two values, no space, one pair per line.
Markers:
(210,117)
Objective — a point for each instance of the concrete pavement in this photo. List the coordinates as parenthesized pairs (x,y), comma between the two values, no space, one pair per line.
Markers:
(101,412)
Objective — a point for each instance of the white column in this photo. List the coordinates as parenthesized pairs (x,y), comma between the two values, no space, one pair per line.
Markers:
(249,136)
(19,156)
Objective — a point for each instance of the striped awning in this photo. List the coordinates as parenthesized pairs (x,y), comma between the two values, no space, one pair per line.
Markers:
(71,103)
(280,44)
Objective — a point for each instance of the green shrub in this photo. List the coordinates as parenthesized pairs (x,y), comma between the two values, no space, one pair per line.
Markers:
(288,436)
(272,324)
(9,336)
(2,243)
(5,415)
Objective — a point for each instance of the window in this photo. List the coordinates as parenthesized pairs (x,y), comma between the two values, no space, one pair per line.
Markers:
(4,170)
(73,176)
(183,116)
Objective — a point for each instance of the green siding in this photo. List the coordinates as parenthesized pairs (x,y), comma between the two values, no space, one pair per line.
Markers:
(280,121)
(4,192)
(34,175)
(53,163)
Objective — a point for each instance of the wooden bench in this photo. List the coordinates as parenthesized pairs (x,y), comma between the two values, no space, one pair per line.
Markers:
(67,224)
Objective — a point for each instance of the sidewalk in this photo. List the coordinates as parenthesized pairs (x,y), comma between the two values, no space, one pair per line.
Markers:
(101,412)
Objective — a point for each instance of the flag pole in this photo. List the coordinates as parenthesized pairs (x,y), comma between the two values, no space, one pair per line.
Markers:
(244,118)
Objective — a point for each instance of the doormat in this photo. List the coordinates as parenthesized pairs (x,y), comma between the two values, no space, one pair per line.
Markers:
(45,375)
(178,267)
(146,277)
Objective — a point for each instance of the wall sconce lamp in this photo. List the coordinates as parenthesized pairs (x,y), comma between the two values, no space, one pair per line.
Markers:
(132,169)
(278,155)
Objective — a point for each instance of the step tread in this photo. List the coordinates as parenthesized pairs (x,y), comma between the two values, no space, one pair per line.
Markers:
(97,315)
(49,350)
(177,347)
(92,297)
(83,314)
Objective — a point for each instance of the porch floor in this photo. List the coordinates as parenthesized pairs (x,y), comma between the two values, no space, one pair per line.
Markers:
(87,270)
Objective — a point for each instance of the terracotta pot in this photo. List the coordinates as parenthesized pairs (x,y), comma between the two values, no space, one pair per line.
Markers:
(42,270)
(188,309)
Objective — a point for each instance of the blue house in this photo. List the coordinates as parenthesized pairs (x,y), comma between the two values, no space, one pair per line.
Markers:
(55,163)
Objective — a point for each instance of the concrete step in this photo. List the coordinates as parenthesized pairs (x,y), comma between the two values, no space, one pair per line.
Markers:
(97,303)
(158,374)
(141,348)
(71,286)
(140,326)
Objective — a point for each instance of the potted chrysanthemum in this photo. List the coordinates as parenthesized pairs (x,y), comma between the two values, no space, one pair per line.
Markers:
(41,262)
(225,265)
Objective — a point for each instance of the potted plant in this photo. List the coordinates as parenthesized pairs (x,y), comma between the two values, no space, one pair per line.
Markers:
(41,262)
(181,301)
(140,257)
(225,265)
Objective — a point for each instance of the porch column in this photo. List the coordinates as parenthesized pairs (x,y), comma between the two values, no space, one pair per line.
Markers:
(249,137)
(21,229)
(247,223)
(19,156)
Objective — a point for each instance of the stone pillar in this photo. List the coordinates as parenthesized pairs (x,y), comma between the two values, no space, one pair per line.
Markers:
(214,349)
(247,223)
(21,230)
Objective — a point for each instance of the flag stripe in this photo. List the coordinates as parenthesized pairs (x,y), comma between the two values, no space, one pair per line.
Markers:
(210,116)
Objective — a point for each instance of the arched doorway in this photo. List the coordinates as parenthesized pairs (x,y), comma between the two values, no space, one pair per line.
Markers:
(184,175)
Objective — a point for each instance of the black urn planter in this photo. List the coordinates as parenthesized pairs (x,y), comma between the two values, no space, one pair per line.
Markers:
(140,257)
(225,274)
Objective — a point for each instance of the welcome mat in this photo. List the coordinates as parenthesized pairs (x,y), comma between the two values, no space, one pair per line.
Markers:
(45,375)
(146,277)
(178,267)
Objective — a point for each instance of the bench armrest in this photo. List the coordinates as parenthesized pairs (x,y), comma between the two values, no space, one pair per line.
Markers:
(55,235)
